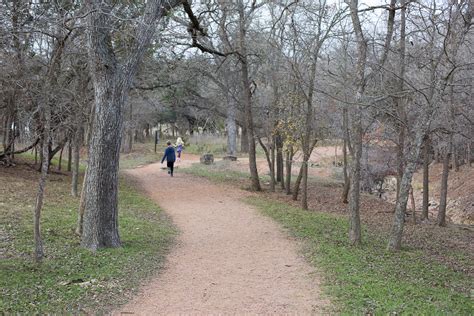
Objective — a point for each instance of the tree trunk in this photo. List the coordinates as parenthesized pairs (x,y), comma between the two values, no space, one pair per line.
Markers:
(270,160)
(426,184)
(299,179)
(289,158)
(39,253)
(279,160)
(304,180)
(355,237)
(244,141)
(111,84)
(231,127)
(296,187)
(413,206)
(60,162)
(69,157)
(247,98)
(345,191)
(441,220)
(455,155)
(395,241)
(76,156)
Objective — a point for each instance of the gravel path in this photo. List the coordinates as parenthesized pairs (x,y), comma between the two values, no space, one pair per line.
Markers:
(228,259)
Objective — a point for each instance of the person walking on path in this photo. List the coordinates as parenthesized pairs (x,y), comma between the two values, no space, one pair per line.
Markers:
(170,157)
(179,147)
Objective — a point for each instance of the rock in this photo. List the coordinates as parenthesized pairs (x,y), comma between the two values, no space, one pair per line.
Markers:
(230,158)
(207,159)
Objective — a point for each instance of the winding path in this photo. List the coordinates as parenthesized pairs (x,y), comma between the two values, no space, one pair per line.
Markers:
(228,259)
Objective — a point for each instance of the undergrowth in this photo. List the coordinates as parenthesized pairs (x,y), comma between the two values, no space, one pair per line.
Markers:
(368,279)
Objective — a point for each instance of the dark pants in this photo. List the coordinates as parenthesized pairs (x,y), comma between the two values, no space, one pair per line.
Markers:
(170,165)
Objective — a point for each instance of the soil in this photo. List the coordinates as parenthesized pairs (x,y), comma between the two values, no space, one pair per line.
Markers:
(228,259)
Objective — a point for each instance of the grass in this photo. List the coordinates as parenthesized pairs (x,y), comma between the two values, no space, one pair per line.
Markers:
(220,171)
(71,279)
(368,279)
(142,154)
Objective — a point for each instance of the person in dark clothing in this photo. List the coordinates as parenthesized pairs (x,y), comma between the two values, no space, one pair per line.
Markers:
(170,157)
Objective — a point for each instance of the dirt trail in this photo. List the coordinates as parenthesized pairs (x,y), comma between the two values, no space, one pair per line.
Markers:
(229,259)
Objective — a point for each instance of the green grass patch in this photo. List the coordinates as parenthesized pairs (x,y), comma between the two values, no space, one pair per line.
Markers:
(71,279)
(368,279)
(220,171)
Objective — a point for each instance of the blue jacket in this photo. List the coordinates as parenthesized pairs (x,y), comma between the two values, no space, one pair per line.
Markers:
(169,155)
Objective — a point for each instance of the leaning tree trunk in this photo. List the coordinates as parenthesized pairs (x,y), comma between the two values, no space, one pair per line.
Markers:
(269,154)
(296,186)
(395,241)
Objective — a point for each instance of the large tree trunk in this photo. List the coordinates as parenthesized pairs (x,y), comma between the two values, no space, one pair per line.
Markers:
(111,84)
(100,228)
(247,98)
(426,184)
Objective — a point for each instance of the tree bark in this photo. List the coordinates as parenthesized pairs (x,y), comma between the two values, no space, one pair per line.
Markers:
(76,148)
(244,141)
(296,187)
(289,163)
(60,162)
(270,160)
(247,98)
(231,126)
(413,206)
(345,190)
(39,253)
(111,82)
(279,160)
(441,220)
(395,240)
(426,184)
(69,157)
